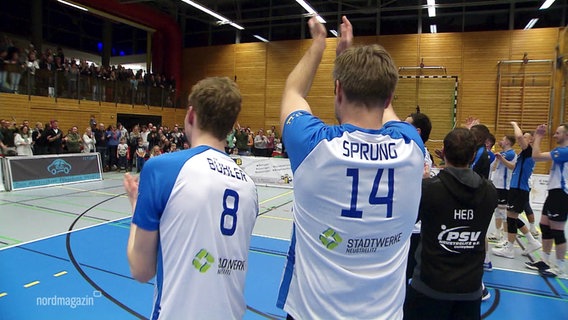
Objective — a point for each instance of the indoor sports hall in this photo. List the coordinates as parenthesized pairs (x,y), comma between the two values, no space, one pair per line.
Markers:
(129,66)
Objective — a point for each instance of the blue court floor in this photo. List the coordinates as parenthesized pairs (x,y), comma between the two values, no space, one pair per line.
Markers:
(49,273)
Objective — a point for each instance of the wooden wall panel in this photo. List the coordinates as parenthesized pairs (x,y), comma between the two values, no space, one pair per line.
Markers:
(442,49)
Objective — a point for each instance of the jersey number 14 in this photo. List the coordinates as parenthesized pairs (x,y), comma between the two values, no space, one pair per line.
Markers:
(352,212)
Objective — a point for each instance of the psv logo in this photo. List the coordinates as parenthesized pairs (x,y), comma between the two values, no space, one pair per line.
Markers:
(458,239)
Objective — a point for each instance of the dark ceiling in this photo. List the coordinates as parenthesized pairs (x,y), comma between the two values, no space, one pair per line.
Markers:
(276,20)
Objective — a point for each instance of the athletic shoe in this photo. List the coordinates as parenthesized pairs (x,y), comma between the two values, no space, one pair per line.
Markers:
(538,265)
(501,244)
(485,295)
(494,237)
(531,247)
(507,251)
(549,273)
(488,266)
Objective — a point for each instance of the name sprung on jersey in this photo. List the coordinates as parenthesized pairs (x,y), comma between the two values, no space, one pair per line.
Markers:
(369,151)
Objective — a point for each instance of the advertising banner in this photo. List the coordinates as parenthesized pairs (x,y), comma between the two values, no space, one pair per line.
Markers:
(39,171)
(270,171)
(2,175)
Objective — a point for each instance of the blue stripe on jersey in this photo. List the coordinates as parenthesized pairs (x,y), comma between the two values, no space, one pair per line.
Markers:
(159,171)
(307,131)
(560,158)
(159,285)
(523,170)
(288,271)
(477,156)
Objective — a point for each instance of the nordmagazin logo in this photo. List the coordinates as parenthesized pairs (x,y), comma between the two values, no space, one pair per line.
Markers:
(203,261)
(330,239)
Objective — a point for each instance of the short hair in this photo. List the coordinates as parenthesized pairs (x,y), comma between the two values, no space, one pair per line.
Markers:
(491,139)
(511,139)
(422,122)
(565,125)
(481,133)
(217,103)
(459,147)
(367,74)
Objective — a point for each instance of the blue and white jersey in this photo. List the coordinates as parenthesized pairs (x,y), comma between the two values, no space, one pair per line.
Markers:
(559,171)
(502,175)
(204,207)
(523,170)
(356,193)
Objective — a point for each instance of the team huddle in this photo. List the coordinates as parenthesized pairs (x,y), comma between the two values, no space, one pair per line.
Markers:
(359,189)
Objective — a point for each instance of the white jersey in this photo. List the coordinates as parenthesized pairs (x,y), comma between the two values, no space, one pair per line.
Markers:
(204,207)
(357,194)
(502,175)
(559,171)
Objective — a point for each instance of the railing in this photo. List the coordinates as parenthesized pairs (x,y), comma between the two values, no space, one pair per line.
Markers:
(59,84)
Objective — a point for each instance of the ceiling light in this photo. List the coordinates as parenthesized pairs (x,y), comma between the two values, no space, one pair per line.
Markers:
(310,10)
(433,28)
(546,4)
(431,8)
(333,32)
(222,20)
(260,38)
(73,5)
(531,23)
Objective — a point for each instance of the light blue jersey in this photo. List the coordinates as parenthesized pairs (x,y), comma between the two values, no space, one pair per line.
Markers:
(502,175)
(356,194)
(559,170)
(204,207)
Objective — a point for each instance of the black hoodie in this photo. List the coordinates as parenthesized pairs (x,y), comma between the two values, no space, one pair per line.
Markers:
(456,209)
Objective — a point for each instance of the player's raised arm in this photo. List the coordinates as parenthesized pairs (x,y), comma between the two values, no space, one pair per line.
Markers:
(300,79)
(538,136)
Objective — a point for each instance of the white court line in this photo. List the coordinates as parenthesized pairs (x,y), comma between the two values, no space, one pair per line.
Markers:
(62,233)
(270,237)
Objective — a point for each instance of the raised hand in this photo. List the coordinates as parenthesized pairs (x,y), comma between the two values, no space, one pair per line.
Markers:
(346,36)
(541,130)
(317,30)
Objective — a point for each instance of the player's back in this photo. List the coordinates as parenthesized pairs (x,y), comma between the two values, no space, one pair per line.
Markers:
(205,232)
(356,200)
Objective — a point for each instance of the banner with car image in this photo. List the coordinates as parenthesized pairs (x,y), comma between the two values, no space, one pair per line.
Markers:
(41,171)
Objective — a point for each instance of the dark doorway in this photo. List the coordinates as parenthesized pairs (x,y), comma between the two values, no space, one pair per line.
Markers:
(130,120)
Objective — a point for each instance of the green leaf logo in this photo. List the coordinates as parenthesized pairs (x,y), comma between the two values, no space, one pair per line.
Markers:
(330,239)
(203,261)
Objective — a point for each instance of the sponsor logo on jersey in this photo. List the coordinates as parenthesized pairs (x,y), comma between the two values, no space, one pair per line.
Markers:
(370,245)
(227,265)
(458,239)
(330,239)
(203,260)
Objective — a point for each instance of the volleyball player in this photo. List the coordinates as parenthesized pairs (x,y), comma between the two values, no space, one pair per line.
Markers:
(357,187)
(194,212)
(555,210)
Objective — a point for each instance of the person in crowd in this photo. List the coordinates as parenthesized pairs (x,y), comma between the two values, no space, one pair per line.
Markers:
(185,243)
(113,139)
(122,154)
(101,145)
(73,141)
(54,138)
(23,141)
(89,141)
(39,139)
(446,283)
(329,273)
(260,144)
